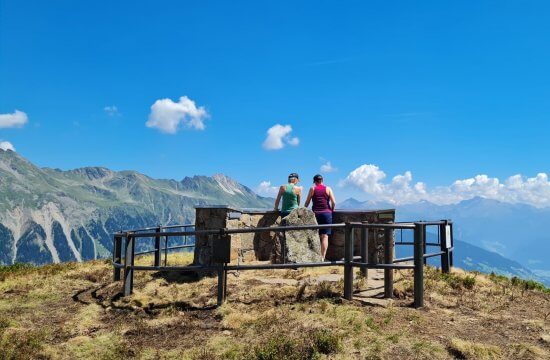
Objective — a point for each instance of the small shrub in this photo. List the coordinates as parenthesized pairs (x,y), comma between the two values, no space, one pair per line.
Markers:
(496,278)
(469,282)
(529,285)
(458,282)
(307,345)
(394,338)
(284,348)
(326,342)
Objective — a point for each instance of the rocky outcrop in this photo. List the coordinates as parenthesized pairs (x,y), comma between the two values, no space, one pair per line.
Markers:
(300,246)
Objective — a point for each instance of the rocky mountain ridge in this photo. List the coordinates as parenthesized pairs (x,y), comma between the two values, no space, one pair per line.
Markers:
(49,215)
(509,239)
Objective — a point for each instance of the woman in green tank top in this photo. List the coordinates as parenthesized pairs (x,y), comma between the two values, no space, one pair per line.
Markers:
(290,193)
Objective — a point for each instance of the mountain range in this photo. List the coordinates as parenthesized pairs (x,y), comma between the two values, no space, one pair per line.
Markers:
(49,215)
(510,239)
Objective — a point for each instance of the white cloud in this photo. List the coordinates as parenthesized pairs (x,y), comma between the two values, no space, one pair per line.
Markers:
(111,110)
(16,120)
(6,145)
(278,136)
(327,168)
(402,190)
(168,116)
(265,189)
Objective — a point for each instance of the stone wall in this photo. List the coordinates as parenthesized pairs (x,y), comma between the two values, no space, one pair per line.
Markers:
(266,245)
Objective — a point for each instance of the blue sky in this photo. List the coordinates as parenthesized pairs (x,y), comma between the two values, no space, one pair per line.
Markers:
(447,91)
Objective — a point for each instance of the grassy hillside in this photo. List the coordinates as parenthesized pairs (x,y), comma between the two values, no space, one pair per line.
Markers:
(74,310)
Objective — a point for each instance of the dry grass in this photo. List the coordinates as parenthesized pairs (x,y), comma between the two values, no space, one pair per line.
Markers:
(75,311)
(475,351)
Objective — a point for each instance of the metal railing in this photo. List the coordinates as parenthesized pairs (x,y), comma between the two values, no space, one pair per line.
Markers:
(221,248)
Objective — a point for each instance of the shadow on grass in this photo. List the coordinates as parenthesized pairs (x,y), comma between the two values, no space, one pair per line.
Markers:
(179,277)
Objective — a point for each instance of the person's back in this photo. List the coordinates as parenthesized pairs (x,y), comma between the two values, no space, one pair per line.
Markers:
(290,193)
(320,199)
(290,199)
(323,206)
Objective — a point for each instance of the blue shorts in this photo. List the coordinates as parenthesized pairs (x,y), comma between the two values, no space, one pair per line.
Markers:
(324,218)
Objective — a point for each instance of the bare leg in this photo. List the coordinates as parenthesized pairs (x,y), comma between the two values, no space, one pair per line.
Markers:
(324,245)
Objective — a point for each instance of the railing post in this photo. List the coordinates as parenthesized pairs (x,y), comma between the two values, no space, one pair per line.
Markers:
(128,265)
(424,246)
(222,256)
(451,264)
(166,251)
(117,256)
(363,251)
(283,248)
(445,257)
(348,258)
(222,284)
(419,231)
(388,259)
(157,247)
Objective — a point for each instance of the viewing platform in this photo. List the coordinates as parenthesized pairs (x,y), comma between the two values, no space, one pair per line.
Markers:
(227,239)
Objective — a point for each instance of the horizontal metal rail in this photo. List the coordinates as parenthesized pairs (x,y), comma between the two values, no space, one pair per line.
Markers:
(358,225)
(395,226)
(155,227)
(174,233)
(239,231)
(174,268)
(412,243)
(434,254)
(164,249)
(283,266)
(381,266)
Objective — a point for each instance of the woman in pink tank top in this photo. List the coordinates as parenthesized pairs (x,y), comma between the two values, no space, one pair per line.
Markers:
(323,206)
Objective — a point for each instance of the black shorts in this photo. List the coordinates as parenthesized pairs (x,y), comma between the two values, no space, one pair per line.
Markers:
(324,218)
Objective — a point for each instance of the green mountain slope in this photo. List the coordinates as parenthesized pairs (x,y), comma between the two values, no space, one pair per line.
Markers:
(49,215)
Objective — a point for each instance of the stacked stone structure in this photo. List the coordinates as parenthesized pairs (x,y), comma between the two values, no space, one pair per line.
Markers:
(266,246)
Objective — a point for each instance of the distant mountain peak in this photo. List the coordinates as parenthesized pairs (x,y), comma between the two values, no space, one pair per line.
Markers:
(228,185)
(93,172)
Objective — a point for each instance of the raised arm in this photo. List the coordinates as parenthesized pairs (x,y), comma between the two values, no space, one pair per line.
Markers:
(332,200)
(309,196)
(279,195)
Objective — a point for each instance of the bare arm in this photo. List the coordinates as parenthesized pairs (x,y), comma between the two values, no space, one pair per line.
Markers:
(309,196)
(279,195)
(332,200)
(299,194)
